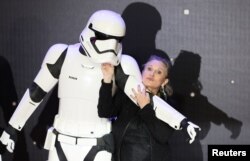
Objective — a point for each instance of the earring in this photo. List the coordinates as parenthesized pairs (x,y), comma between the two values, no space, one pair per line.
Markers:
(164,92)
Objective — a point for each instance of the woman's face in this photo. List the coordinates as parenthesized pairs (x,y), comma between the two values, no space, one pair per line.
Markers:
(154,75)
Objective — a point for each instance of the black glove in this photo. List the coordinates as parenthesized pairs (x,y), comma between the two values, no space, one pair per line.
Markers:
(184,125)
(12,132)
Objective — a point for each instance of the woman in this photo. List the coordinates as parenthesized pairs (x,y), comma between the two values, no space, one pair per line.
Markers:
(138,134)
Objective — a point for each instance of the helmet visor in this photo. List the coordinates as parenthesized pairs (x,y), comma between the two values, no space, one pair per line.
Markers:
(104,43)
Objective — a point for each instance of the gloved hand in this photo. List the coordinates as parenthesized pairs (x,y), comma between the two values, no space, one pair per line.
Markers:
(8,139)
(191,129)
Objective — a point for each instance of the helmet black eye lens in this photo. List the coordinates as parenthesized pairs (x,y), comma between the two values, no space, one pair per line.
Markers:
(102,36)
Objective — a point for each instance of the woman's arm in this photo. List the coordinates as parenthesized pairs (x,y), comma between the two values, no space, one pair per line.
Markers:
(106,104)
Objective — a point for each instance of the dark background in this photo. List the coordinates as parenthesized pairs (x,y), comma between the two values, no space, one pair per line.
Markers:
(210,47)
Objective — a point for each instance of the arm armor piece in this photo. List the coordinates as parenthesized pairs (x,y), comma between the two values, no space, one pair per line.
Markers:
(23,111)
(133,75)
(45,80)
(167,113)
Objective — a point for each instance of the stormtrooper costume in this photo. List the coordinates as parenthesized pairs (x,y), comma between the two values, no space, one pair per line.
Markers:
(77,70)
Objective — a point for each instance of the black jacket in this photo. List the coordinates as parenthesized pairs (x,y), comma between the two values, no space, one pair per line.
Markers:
(138,134)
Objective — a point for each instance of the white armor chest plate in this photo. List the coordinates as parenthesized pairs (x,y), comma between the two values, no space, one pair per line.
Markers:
(79,85)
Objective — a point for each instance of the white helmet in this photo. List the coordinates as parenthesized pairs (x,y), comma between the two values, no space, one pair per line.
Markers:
(101,38)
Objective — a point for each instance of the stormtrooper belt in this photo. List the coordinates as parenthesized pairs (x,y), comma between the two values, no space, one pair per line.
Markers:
(75,140)
(98,144)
